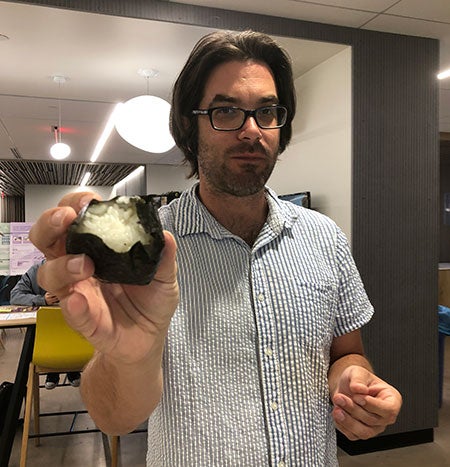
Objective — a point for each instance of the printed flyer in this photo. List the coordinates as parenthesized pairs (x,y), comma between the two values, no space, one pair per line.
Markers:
(22,253)
(4,248)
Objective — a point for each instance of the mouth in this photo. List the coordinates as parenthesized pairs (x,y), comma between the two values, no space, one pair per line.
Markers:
(248,153)
(249,157)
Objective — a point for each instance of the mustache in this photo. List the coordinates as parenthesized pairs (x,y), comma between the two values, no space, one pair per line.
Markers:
(252,148)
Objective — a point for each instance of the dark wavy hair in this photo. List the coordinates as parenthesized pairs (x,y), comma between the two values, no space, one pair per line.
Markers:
(212,50)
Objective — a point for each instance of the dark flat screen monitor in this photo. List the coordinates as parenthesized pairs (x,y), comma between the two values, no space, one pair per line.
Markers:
(302,198)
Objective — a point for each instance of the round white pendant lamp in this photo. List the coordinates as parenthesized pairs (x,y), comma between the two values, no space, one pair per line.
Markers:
(60,151)
(143,121)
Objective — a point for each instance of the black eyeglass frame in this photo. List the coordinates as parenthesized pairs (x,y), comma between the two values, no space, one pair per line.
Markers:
(247,113)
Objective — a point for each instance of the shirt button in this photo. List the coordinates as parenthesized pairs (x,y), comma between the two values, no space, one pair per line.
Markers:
(261,297)
(273,405)
(281,464)
(268,351)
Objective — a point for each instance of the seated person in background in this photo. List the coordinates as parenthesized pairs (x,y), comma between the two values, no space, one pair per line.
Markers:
(28,293)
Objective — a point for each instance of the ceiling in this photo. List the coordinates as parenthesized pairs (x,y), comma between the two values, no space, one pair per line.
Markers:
(101,55)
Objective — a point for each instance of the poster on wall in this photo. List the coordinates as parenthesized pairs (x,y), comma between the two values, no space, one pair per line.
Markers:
(4,248)
(22,253)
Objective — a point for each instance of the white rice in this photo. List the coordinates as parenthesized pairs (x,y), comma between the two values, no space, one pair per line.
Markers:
(116,224)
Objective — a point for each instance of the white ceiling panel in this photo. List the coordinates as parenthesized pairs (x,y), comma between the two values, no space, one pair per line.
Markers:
(100,54)
(308,11)
(434,10)
(365,5)
(409,26)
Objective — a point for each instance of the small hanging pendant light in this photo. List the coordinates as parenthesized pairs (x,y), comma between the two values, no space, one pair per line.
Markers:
(59,150)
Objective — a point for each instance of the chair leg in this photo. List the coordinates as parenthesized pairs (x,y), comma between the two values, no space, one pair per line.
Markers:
(114,450)
(37,408)
(27,416)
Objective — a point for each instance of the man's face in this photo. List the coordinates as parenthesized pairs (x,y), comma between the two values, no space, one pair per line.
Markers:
(237,162)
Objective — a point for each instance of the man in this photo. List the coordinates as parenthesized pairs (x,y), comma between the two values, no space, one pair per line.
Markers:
(27,292)
(266,327)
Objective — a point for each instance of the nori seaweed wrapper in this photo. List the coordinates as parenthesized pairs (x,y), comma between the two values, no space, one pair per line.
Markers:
(135,266)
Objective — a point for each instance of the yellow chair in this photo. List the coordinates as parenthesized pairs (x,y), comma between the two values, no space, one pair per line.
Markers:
(57,349)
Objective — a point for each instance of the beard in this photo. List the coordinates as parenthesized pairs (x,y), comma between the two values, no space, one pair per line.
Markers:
(251,177)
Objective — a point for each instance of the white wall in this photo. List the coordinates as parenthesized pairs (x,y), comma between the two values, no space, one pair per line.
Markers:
(133,184)
(164,178)
(319,157)
(38,198)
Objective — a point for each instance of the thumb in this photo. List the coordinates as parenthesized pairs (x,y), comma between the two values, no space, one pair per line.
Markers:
(167,269)
(359,380)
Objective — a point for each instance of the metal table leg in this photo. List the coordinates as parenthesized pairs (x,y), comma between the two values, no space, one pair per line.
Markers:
(18,393)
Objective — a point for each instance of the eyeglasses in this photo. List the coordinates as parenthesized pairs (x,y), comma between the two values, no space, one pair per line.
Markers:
(233,118)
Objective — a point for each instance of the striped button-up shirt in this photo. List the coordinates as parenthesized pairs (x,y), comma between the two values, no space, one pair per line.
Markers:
(247,354)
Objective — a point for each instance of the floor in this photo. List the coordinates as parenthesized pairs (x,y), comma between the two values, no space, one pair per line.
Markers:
(87,450)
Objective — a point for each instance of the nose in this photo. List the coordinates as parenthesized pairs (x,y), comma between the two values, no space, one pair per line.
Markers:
(250,131)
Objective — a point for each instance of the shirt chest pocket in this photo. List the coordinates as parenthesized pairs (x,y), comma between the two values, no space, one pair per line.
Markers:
(312,312)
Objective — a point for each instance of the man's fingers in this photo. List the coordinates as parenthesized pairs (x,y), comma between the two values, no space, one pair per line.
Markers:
(59,274)
(364,416)
(358,412)
(48,233)
(386,408)
(352,428)
(79,199)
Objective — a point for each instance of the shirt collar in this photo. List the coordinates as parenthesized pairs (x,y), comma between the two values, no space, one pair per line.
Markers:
(192,217)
